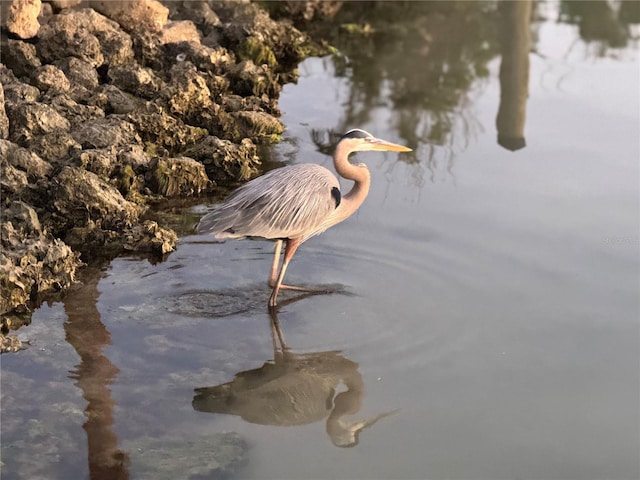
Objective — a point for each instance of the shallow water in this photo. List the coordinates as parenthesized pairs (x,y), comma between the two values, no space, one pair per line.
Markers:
(488,304)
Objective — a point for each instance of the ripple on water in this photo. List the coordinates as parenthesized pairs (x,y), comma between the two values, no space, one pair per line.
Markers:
(220,303)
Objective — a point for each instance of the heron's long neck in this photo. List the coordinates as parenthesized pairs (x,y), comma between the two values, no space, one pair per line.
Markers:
(362,180)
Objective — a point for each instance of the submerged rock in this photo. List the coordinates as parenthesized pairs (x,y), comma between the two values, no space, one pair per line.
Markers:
(217,455)
(149,237)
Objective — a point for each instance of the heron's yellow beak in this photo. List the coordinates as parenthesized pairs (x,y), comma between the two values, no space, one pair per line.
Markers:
(383,145)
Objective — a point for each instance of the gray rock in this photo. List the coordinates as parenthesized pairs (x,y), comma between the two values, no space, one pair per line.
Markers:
(63,37)
(20,57)
(12,180)
(137,80)
(82,199)
(55,147)
(25,160)
(79,72)
(16,93)
(111,99)
(105,132)
(31,119)
(75,112)
(49,77)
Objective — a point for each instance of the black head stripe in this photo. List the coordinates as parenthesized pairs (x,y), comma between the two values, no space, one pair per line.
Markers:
(335,193)
(356,133)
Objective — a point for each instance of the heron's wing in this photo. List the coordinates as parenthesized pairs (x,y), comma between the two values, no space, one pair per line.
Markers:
(287,202)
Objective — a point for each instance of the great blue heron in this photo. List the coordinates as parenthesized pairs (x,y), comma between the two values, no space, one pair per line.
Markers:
(296,202)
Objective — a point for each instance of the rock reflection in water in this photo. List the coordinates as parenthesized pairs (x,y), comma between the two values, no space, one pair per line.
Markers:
(294,389)
(88,335)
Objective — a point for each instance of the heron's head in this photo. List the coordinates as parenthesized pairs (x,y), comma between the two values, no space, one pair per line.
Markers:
(357,140)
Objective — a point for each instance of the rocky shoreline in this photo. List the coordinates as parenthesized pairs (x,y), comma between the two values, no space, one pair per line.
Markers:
(108,107)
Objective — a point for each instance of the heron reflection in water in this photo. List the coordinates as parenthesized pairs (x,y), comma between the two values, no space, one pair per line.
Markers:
(294,389)
(294,203)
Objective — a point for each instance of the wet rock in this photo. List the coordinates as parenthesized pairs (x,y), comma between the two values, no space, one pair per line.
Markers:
(31,119)
(149,237)
(132,15)
(105,132)
(128,183)
(171,177)
(225,162)
(10,343)
(33,267)
(21,17)
(49,77)
(30,262)
(20,57)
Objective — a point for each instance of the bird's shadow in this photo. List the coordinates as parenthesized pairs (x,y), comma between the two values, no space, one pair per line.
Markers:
(243,299)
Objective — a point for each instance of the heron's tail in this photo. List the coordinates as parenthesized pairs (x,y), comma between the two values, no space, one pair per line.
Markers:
(218,223)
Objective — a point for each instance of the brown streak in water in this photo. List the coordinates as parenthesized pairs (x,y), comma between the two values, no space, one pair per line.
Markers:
(88,336)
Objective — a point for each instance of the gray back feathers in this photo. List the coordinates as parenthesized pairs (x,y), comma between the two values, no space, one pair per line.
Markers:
(288,202)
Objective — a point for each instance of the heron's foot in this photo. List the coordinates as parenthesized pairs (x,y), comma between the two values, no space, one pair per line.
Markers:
(304,292)
(321,289)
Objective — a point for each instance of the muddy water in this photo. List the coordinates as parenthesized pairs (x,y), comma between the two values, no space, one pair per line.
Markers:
(486,325)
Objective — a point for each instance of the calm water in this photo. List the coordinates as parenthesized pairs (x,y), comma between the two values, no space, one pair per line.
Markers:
(488,327)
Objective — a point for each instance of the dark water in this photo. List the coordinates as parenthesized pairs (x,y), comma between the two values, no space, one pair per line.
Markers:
(488,326)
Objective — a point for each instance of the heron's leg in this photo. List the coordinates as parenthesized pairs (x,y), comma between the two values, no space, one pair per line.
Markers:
(290,249)
(276,262)
(279,344)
